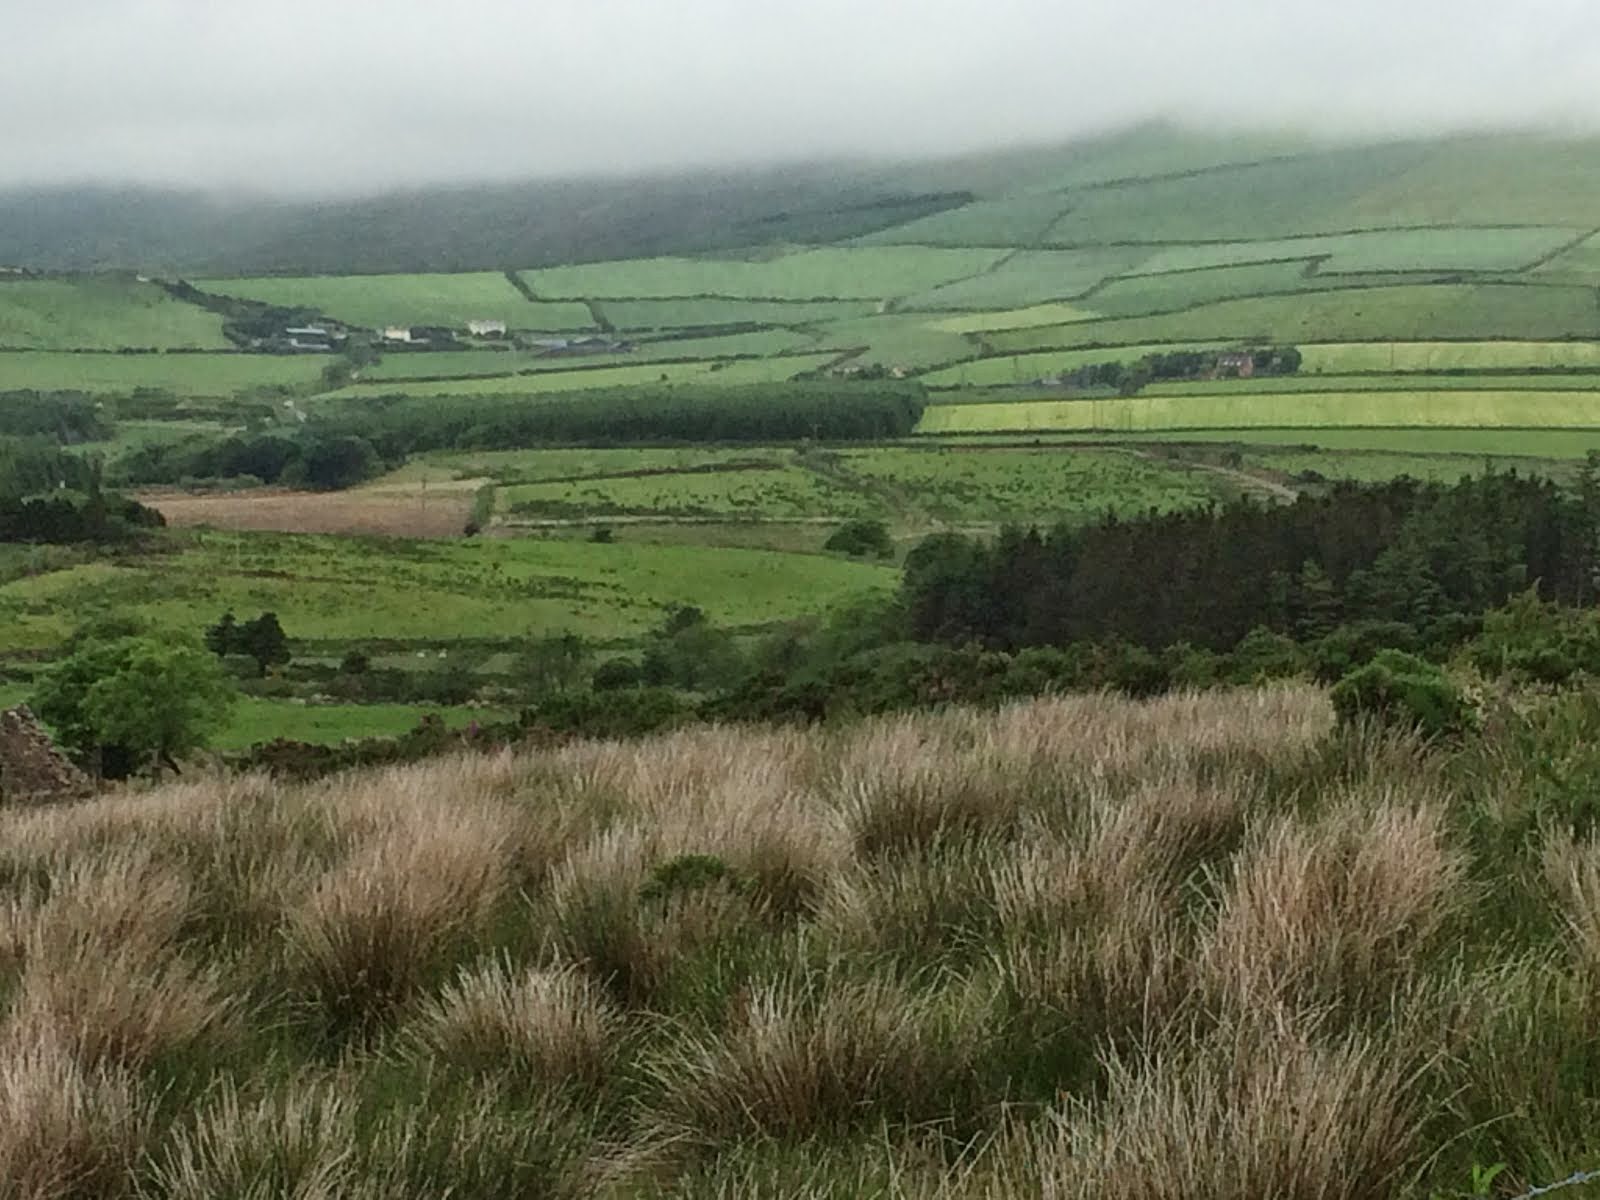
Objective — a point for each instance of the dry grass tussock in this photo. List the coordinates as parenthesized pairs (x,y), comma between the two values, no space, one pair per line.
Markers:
(1202,947)
(66,1130)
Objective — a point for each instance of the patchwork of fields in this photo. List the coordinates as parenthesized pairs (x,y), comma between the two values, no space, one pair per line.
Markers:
(1444,298)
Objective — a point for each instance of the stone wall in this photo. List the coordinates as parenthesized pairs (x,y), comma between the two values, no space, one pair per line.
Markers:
(32,770)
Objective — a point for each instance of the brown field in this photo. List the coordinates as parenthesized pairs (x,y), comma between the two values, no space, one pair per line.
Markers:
(390,510)
(1211,947)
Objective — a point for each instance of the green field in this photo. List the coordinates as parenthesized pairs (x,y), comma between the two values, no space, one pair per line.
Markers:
(732,372)
(1376,383)
(776,494)
(373,301)
(835,273)
(1311,410)
(1401,312)
(709,313)
(1543,444)
(1041,486)
(191,375)
(1030,277)
(1351,357)
(909,341)
(1013,318)
(326,588)
(257,720)
(1136,294)
(1016,221)
(1382,250)
(101,313)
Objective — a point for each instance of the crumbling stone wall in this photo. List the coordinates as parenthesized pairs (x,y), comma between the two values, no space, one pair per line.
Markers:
(32,770)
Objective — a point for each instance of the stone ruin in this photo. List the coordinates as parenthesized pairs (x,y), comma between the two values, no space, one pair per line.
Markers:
(32,769)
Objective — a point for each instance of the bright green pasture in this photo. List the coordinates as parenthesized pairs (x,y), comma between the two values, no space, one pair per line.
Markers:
(1015,318)
(695,313)
(1375,467)
(899,340)
(1031,277)
(1410,312)
(342,588)
(542,466)
(839,273)
(1023,368)
(1479,443)
(1340,358)
(256,720)
(738,371)
(182,374)
(1516,409)
(1014,221)
(470,364)
(1377,383)
(1136,294)
(1382,250)
(991,485)
(101,313)
(373,301)
(774,493)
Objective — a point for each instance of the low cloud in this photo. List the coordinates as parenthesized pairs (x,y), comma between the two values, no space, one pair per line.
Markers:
(363,95)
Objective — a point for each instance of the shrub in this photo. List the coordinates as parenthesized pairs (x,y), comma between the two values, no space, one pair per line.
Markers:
(865,538)
(1397,688)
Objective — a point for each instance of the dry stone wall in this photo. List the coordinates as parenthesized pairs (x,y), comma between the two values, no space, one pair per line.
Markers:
(32,769)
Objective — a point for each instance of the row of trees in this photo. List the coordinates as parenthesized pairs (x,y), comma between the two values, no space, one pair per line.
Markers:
(398,426)
(1130,377)
(66,418)
(306,460)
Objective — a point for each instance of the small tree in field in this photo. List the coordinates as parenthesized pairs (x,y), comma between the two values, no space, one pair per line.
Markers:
(135,700)
(864,538)
(264,640)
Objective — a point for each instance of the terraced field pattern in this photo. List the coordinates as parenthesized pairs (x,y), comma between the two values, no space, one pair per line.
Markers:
(1444,296)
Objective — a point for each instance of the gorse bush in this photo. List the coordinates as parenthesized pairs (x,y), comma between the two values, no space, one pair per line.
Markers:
(1400,689)
(1204,947)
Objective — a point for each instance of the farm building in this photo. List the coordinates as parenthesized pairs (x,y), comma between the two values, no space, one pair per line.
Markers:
(486,328)
(397,333)
(1236,365)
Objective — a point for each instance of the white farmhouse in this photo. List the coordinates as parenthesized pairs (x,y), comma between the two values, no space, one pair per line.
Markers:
(486,328)
(397,333)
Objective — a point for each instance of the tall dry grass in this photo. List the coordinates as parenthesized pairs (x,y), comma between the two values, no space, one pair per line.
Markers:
(1205,946)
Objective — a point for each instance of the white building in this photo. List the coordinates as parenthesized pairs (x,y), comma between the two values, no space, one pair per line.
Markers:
(486,328)
(397,333)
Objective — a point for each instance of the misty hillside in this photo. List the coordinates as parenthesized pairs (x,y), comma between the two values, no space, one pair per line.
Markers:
(1150,184)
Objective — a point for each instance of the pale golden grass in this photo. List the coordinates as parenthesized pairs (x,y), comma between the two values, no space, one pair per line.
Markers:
(297,1143)
(1337,910)
(122,1006)
(802,1058)
(67,1132)
(1572,872)
(422,870)
(545,1026)
(1255,1109)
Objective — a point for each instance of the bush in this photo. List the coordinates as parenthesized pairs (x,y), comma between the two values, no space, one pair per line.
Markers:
(865,538)
(1400,689)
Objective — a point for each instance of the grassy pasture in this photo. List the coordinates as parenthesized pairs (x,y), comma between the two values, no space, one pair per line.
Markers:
(775,493)
(1044,485)
(1030,277)
(258,720)
(1408,312)
(1337,358)
(194,375)
(699,313)
(899,340)
(741,371)
(542,466)
(342,588)
(1015,318)
(1311,410)
(1002,369)
(101,313)
(1381,250)
(1503,444)
(1378,467)
(373,301)
(837,273)
(1013,221)
(468,364)
(1137,294)
(1497,382)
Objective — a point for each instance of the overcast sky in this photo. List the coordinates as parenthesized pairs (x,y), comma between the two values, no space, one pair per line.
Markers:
(354,95)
